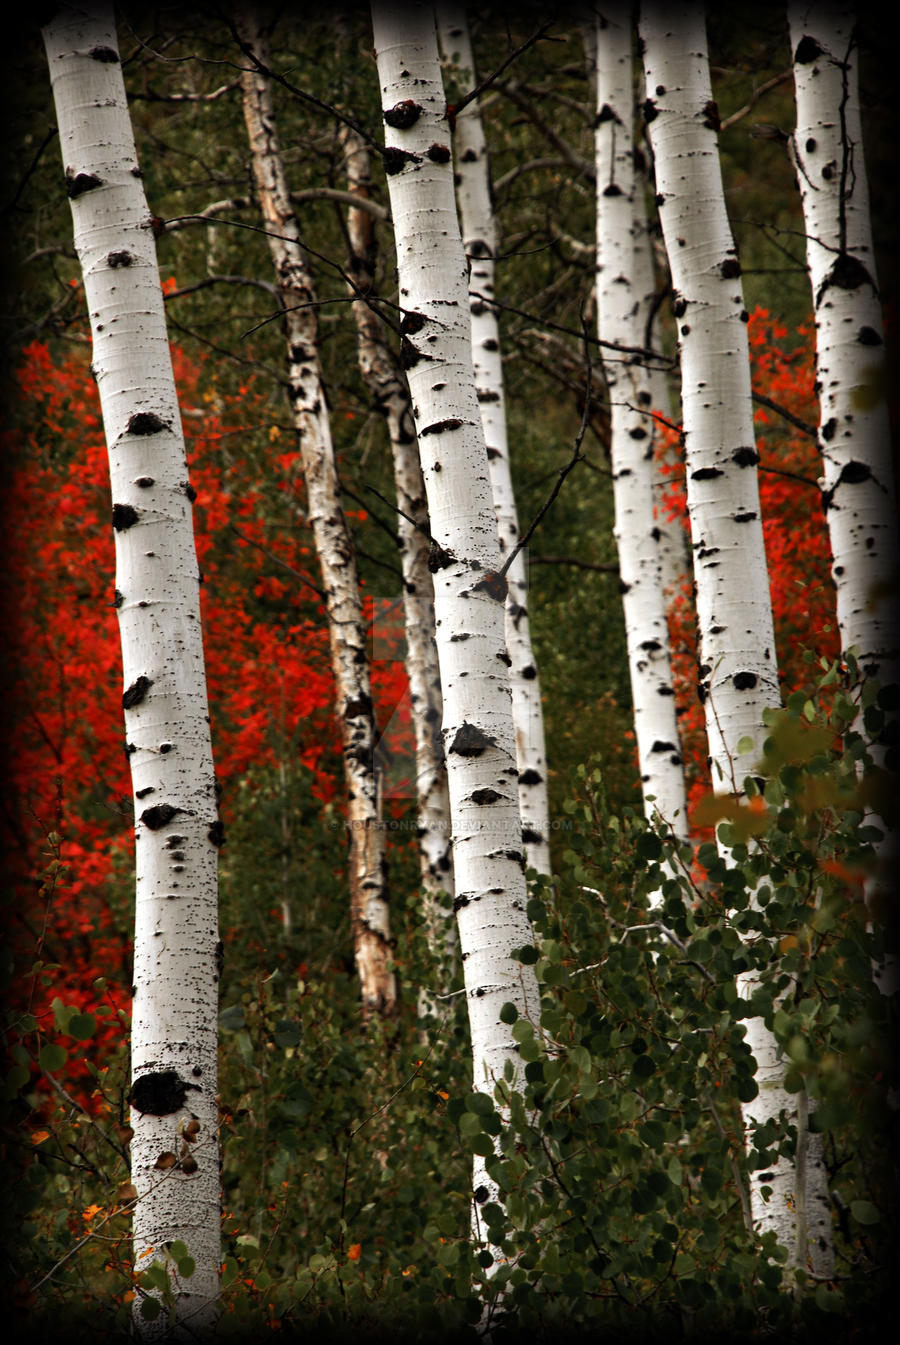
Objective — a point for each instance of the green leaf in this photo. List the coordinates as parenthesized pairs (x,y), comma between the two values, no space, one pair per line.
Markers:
(52,1057)
(232,1019)
(82,1026)
(509,1013)
(187,1265)
(527,955)
(150,1309)
(580,1057)
(648,845)
(864,1212)
(479,1103)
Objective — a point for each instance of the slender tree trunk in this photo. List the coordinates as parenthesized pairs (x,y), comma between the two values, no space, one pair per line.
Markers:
(672,543)
(174,1150)
(859,487)
(738,675)
(480,243)
(632,439)
(390,393)
(369,915)
(469,599)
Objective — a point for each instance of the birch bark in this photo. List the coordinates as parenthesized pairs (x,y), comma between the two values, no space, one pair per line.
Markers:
(469,602)
(631,428)
(390,393)
(174,1149)
(369,916)
(738,676)
(479,233)
(854,432)
(858,482)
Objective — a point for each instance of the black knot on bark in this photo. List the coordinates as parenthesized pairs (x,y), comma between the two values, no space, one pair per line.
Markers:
(494,585)
(471,741)
(160,1093)
(440,426)
(411,323)
(78,183)
(606,113)
(853,473)
(807,50)
(136,693)
(123,517)
(403,115)
(159,815)
(438,558)
(711,116)
(744,681)
(145,422)
(395,160)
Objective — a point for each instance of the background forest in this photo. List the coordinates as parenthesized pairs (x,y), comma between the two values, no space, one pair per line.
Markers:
(348,1140)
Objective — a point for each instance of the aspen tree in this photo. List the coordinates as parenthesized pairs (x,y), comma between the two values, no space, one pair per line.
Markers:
(738,675)
(631,427)
(388,388)
(479,233)
(858,482)
(854,433)
(369,915)
(174,1148)
(469,596)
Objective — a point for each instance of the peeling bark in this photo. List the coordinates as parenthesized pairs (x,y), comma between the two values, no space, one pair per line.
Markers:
(390,393)
(369,916)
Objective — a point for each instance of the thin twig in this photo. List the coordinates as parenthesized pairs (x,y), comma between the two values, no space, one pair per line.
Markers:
(456,108)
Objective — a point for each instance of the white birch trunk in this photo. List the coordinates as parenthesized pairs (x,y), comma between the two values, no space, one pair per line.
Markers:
(738,676)
(469,602)
(858,483)
(388,388)
(369,916)
(479,235)
(671,539)
(174,1150)
(631,428)
(854,432)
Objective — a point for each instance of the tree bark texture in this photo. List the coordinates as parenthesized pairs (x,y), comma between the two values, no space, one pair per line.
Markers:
(854,432)
(174,1149)
(632,440)
(479,233)
(478,730)
(738,675)
(388,388)
(858,481)
(369,915)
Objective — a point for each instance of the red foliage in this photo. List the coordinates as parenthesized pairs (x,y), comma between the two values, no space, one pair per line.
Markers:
(268,664)
(794,529)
